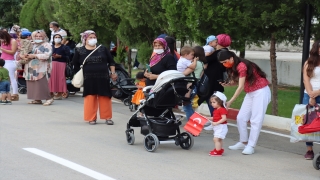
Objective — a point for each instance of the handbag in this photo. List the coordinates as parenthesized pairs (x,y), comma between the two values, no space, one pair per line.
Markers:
(314,126)
(203,85)
(310,116)
(78,78)
(297,120)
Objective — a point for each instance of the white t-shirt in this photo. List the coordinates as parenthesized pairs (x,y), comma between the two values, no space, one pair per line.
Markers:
(62,32)
(208,49)
(315,80)
(183,64)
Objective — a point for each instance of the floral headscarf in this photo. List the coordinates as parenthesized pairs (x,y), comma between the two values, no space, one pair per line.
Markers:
(157,57)
(85,35)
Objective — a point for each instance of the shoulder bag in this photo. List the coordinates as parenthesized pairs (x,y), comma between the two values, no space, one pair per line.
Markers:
(78,78)
(203,85)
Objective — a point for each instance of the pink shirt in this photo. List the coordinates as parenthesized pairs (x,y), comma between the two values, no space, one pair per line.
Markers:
(6,56)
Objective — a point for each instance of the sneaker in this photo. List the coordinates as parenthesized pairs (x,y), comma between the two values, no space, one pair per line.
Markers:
(135,68)
(215,149)
(216,153)
(208,123)
(237,146)
(248,150)
(8,102)
(208,128)
(3,102)
(309,155)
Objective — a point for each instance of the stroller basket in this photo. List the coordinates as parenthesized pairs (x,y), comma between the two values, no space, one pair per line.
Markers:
(159,127)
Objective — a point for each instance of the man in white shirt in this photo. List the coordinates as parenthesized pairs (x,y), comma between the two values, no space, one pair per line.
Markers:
(55,29)
(211,44)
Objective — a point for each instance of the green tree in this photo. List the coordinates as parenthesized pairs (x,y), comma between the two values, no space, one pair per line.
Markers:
(9,12)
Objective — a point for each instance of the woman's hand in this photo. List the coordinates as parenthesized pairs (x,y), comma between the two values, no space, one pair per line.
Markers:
(56,56)
(214,123)
(31,56)
(312,101)
(228,104)
(114,77)
(314,94)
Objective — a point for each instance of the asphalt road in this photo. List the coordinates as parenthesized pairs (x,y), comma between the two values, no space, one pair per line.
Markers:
(54,143)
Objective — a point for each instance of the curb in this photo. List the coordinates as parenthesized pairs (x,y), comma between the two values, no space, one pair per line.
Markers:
(269,120)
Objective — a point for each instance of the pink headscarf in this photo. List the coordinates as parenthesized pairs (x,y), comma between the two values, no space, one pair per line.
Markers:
(85,35)
(157,57)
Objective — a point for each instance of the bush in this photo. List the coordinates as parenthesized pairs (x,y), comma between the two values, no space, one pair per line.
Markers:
(144,52)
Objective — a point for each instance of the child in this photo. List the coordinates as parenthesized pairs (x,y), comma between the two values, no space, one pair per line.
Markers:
(4,84)
(25,47)
(187,64)
(140,85)
(219,122)
(211,44)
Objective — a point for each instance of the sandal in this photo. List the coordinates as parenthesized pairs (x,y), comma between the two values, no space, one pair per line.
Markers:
(94,122)
(15,97)
(48,102)
(57,97)
(109,122)
(35,102)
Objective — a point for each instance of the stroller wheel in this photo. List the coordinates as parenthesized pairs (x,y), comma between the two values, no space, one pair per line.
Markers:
(186,140)
(151,142)
(126,102)
(316,161)
(130,137)
(22,90)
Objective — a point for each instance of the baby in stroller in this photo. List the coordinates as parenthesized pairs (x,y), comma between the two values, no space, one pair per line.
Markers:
(155,116)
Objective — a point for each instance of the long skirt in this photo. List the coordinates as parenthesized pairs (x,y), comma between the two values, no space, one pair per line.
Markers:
(38,90)
(57,81)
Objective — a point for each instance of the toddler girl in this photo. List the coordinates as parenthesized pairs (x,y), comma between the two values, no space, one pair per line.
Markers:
(219,122)
(140,85)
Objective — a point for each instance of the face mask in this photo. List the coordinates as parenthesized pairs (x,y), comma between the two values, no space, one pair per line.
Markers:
(92,42)
(38,41)
(51,29)
(158,51)
(228,64)
(57,40)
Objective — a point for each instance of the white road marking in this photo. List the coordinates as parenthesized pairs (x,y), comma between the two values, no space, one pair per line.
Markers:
(69,164)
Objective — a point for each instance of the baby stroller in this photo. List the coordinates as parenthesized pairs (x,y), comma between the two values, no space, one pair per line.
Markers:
(22,84)
(124,88)
(71,90)
(155,115)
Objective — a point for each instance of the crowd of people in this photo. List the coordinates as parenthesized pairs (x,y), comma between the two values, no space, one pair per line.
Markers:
(44,62)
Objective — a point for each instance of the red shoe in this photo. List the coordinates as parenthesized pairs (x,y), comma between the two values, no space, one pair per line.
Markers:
(216,153)
(215,149)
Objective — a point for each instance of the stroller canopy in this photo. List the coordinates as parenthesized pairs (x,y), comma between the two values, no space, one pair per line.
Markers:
(164,78)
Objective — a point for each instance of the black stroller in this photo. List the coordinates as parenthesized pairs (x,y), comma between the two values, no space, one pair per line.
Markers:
(155,116)
(124,88)
(22,84)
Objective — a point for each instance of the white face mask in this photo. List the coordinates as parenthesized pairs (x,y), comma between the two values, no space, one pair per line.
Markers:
(38,41)
(57,40)
(158,51)
(92,42)
(51,29)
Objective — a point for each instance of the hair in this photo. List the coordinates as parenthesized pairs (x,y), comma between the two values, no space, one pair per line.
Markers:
(314,58)
(199,52)
(171,42)
(2,62)
(140,75)
(233,72)
(185,50)
(53,23)
(218,100)
(6,37)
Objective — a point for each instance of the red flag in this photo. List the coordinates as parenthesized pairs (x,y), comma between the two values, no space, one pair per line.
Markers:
(195,124)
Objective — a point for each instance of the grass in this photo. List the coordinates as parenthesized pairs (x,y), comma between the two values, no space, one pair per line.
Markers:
(287,98)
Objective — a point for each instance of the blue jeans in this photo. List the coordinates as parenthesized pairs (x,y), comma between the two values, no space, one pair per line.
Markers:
(4,87)
(305,100)
(187,108)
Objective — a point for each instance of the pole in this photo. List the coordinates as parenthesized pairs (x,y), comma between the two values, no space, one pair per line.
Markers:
(306,44)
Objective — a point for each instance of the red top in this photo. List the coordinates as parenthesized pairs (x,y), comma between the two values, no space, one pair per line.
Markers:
(259,82)
(217,113)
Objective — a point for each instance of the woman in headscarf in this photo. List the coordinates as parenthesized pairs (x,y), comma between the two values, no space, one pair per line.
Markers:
(215,70)
(60,57)
(96,86)
(161,61)
(36,70)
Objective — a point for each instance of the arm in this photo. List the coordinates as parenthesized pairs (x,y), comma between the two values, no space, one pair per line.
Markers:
(238,91)
(14,47)
(111,64)
(46,54)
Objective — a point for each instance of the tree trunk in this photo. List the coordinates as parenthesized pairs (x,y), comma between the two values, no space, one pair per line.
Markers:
(243,53)
(129,62)
(274,80)
(243,49)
